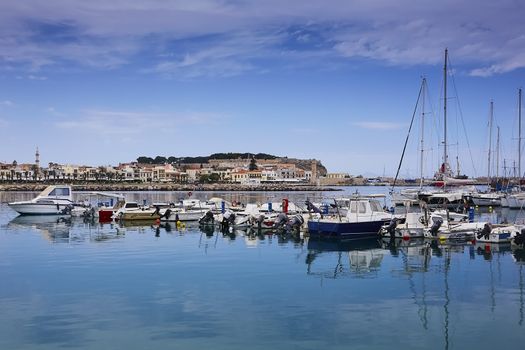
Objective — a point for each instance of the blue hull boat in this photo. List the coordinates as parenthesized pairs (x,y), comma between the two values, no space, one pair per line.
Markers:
(331,228)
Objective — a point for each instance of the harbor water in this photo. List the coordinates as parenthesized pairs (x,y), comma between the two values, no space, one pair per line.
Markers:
(70,283)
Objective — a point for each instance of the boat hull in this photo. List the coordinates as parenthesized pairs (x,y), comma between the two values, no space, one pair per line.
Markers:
(345,229)
(142,215)
(38,208)
(188,215)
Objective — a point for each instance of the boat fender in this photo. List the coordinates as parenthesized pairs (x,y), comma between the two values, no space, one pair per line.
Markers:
(485,232)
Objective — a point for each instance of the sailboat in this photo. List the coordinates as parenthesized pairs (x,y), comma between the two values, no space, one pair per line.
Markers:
(444,176)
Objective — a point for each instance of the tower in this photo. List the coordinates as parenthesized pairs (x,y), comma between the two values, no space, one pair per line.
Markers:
(313,179)
(37,161)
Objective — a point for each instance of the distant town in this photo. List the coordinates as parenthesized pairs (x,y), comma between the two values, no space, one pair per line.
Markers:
(235,168)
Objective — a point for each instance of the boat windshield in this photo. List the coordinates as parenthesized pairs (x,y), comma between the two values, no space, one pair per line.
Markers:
(355,206)
(59,191)
(375,205)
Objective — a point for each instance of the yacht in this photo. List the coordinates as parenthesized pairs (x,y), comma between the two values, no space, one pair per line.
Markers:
(51,201)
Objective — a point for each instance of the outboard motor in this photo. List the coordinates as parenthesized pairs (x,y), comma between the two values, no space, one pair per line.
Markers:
(295,223)
(167,214)
(519,239)
(157,211)
(313,208)
(228,219)
(391,228)
(281,221)
(435,226)
(67,209)
(485,232)
(259,220)
(207,218)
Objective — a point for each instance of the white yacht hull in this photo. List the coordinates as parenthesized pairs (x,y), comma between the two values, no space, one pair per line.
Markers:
(27,208)
(486,201)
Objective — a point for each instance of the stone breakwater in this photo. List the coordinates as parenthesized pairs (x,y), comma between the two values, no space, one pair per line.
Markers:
(120,187)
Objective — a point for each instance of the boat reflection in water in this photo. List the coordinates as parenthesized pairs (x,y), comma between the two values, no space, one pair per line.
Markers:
(364,257)
(55,228)
(66,229)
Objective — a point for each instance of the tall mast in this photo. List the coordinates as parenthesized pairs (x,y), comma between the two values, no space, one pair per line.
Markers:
(445,158)
(519,132)
(490,137)
(497,155)
(422,131)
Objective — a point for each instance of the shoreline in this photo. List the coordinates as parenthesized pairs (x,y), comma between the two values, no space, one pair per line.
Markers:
(140,187)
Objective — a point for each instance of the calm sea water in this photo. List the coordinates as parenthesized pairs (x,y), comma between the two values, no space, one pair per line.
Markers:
(74,284)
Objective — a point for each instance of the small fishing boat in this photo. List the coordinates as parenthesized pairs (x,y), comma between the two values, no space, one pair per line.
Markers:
(131,211)
(499,234)
(364,218)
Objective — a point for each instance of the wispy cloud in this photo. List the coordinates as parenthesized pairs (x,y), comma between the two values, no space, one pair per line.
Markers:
(225,38)
(129,123)
(6,103)
(379,125)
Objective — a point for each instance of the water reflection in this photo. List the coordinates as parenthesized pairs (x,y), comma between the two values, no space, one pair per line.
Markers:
(55,228)
(356,258)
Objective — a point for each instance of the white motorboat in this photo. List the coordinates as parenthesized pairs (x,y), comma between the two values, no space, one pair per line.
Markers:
(131,211)
(516,201)
(408,196)
(53,200)
(486,199)
(500,234)
(174,214)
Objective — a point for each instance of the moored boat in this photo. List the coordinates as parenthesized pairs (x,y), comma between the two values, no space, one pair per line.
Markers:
(52,200)
(364,218)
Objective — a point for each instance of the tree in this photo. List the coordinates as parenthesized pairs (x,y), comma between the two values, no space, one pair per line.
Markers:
(214,177)
(160,160)
(145,160)
(253,165)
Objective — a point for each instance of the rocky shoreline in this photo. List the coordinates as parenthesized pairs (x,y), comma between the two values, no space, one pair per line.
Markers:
(135,187)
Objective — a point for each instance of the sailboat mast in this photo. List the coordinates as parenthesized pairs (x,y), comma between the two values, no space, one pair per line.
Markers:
(445,158)
(422,132)
(497,155)
(490,138)
(519,133)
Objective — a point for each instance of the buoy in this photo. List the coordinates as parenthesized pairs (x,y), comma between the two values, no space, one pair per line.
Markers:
(157,221)
(477,208)
(490,209)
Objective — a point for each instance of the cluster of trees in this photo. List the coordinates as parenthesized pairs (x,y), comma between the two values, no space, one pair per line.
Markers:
(202,159)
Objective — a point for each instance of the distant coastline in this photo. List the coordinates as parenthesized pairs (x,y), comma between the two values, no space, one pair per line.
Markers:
(132,187)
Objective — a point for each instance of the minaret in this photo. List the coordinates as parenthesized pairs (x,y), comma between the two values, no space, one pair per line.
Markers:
(37,161)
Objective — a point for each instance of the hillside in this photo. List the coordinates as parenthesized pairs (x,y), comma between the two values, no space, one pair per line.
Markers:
(305,164)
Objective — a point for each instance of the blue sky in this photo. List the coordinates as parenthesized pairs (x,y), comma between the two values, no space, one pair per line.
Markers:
(98,82)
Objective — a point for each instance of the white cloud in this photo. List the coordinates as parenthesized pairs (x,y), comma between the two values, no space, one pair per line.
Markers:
(130,123)
(6,103)
(487,36)
(379,125)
